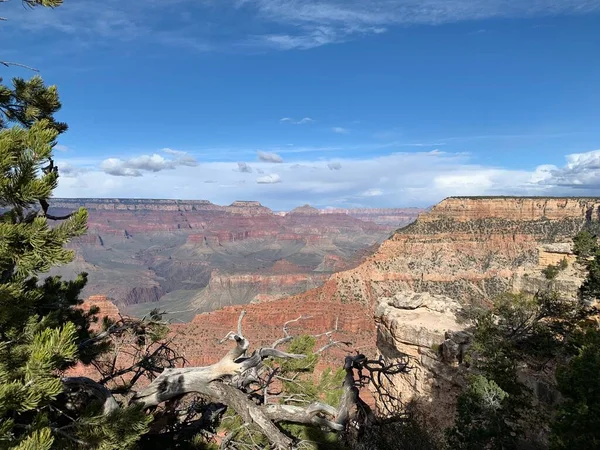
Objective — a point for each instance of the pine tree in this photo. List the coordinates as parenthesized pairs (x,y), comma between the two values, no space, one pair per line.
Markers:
(577,422)
(42,333)
(521,334)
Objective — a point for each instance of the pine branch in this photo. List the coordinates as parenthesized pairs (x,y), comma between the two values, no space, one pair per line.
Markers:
(15,64)
(65,217)
(69,437)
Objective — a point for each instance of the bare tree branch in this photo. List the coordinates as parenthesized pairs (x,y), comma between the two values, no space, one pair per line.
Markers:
(239,381)
(286,335)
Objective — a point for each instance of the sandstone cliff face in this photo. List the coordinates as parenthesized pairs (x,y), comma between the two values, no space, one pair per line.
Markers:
(226,290)
(518,209)
(465,248)
(422,326)
(463,251)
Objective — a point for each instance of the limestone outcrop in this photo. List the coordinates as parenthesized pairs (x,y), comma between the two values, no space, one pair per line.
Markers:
(426,328)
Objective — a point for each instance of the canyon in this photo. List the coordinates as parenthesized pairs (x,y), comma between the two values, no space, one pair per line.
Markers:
(188,257)
(407,297)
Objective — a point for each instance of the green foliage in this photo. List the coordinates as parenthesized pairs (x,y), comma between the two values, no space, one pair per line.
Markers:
(563,264)
(39,328)
(524,326)
(588,253)
(519,332)
(550,272)
(577,422)
(301,345)
(411,432)
(330,385)
(585,245)
(481,418)
(33,383)
(42,333)
(299,387)
(119,430)
(233,424)
(28,101)
(41,439)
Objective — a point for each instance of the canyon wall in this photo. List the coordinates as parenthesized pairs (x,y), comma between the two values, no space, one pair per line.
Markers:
(463,251)
(465,248)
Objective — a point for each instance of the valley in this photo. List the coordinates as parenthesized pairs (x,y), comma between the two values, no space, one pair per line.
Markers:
(188,257)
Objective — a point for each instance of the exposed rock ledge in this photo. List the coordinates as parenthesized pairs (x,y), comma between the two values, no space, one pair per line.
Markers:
(422,326)
(417,319)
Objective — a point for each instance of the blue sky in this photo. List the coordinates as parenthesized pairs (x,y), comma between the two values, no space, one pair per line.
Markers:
(380,103)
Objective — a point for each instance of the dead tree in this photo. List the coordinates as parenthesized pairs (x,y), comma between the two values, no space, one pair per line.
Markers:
(240,381)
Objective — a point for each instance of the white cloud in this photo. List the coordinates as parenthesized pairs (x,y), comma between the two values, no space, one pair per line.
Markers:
(61,148)
(269,179)
(269,157)
(374,192)
(392,180)
(135,167)
(243,167)
(118,168)
(274,24)
(543,173)
(334,166)
(334,21)
(170,151)
(582,173)
(66,169)
(339,130)
(303,121)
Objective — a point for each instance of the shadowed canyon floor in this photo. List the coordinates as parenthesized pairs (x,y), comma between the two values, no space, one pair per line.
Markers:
(187,257)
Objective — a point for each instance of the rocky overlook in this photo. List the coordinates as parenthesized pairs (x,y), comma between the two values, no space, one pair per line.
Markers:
(189,256)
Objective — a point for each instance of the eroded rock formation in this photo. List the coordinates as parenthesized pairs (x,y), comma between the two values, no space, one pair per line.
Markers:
(426,328)
(193,256)
(464,251)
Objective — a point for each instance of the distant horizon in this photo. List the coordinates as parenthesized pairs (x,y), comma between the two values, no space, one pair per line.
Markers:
(207,201)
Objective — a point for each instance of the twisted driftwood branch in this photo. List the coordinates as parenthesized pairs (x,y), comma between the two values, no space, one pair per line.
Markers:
(226,382)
